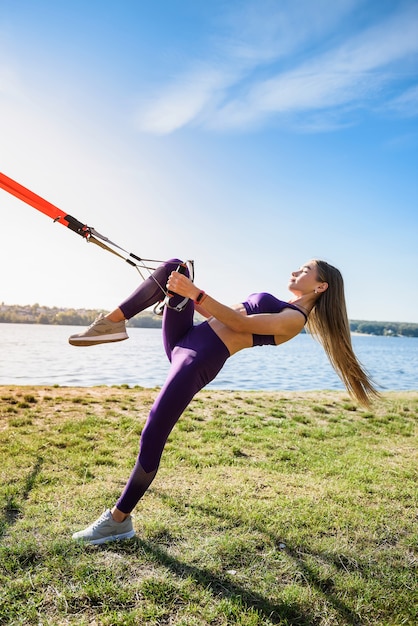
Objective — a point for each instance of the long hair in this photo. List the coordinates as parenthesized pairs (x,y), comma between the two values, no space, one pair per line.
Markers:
(328,324)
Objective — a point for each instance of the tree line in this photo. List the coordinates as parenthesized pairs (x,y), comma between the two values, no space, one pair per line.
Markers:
(37,314)
(388,329)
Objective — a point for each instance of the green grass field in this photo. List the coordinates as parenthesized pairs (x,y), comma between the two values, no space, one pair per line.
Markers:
(269,508)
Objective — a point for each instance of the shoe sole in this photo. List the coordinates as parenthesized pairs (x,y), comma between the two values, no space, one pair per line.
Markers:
(96,542)
(92,341)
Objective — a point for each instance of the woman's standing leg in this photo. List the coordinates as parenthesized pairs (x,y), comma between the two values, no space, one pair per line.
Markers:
(196,360)
(175,395)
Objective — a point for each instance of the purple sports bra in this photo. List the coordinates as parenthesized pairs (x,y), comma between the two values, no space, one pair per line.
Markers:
(266,303)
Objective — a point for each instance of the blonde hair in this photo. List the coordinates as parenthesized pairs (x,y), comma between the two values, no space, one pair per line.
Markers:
(328,324)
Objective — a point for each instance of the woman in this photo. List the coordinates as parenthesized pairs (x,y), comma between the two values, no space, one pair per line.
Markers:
(198,353)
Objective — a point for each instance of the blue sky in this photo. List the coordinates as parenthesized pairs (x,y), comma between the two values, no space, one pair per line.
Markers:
(250,136)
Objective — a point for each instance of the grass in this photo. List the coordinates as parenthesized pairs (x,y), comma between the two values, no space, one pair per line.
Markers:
(269,508)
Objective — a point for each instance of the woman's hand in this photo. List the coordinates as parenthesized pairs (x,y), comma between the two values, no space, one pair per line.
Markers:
(183,286)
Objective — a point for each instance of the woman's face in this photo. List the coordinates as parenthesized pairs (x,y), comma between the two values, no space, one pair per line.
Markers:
(305,280)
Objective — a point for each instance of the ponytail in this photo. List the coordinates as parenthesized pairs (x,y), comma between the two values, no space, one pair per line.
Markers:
(328,324)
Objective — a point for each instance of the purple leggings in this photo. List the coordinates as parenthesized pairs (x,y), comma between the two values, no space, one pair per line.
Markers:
(196,354)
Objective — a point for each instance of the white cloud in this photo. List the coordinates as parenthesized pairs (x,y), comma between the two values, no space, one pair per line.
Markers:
(182,102)
(259,35)
(251,78)
(407,103)
(349,75)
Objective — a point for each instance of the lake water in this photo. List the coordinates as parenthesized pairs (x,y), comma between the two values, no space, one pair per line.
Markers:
(33,354)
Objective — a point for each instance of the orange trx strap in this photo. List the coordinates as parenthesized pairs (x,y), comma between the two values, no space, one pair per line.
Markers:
(42,205)
(87,232)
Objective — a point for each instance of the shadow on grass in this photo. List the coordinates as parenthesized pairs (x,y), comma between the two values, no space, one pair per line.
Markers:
(13,508)
(221,586)
(324,586)
(300,556)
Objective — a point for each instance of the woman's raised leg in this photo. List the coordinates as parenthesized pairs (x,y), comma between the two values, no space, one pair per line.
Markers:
(111,327)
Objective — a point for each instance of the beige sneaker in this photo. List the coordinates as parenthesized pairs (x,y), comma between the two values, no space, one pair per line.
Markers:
(101,331)
(105,529)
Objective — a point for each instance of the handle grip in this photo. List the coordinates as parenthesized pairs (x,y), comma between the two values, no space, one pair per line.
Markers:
(181,269)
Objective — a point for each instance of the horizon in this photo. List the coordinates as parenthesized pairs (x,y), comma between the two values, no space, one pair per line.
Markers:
(72,308)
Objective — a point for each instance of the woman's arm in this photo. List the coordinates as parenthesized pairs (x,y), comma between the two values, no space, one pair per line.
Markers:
(202,311)
(288,322)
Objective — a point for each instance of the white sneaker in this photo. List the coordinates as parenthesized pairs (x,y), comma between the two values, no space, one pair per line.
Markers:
(101,331)
(106,529)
